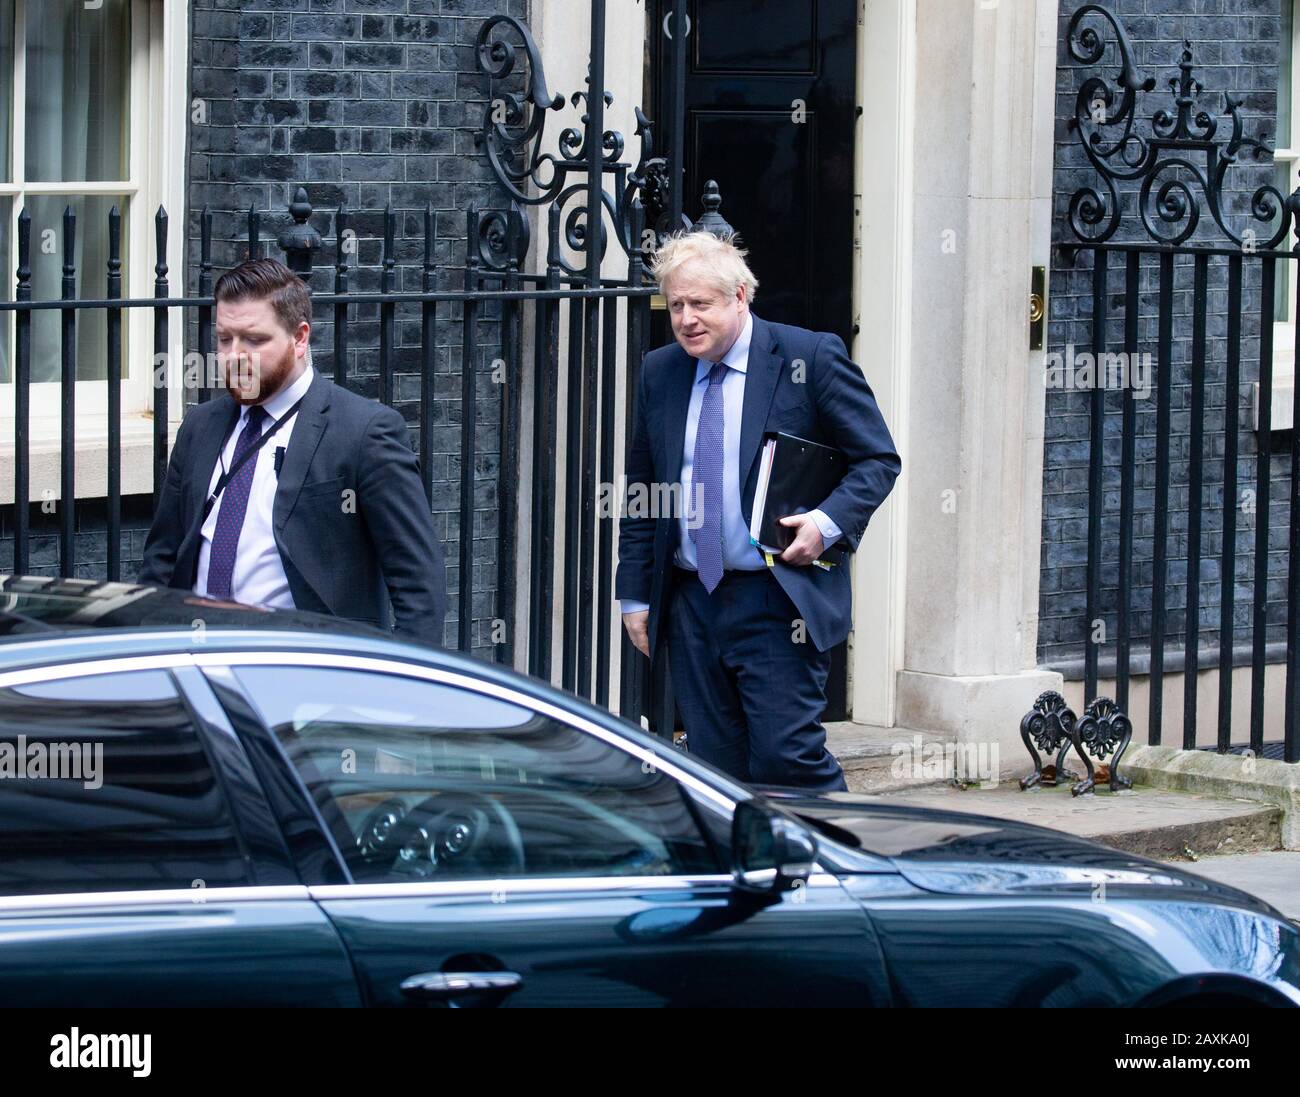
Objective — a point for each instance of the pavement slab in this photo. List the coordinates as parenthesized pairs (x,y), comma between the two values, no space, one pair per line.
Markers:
(1152,822)
(1273,876)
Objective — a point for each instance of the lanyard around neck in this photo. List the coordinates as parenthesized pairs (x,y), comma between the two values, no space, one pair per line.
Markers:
(247,455)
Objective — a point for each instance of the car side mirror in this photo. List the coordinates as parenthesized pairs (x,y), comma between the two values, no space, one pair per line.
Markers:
(770,851)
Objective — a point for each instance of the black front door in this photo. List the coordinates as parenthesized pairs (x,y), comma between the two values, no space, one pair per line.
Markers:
(770,116)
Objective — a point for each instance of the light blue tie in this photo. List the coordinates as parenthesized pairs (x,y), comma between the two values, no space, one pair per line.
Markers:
(706,480)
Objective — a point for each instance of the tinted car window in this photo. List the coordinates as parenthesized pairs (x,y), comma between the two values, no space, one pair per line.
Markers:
(105,786)
(424,781)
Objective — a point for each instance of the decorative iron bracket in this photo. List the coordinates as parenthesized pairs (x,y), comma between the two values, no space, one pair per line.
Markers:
(1181,141)
(1103,729)
(1052,727)
(1049,725)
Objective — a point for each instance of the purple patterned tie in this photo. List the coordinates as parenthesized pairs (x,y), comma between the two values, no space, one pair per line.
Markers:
(707,473)
(233,503)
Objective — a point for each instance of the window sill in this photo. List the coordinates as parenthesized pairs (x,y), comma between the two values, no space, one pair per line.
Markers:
(1283,404)
(91,464)
(1282,408)
(1071,667)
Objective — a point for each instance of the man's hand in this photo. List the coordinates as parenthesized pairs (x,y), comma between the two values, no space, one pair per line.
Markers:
(807,544)
(638,630)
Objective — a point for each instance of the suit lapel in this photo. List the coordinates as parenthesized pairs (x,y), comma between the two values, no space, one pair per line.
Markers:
(762,374)
(307,432)
(208,449)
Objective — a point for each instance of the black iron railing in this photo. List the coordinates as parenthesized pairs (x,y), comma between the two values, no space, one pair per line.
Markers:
(589,365)
(571,336)
(1169,178)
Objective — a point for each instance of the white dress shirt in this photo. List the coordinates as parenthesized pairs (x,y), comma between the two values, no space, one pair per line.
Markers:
(738,551)
(258,578)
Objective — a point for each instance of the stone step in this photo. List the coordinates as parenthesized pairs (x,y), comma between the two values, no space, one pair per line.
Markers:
(878,759)
(877,775)
(1152,822)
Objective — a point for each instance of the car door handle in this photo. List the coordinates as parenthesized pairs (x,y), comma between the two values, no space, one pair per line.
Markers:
(462,988)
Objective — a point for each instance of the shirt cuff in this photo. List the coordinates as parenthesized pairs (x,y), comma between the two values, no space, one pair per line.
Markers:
(829,530)
(629,605)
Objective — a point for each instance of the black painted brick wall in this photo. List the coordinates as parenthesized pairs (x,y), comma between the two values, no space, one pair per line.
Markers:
(1234,48)
(368,102)
(90,543)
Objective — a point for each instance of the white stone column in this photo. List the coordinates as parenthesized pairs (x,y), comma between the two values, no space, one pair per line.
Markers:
(985,99)
(882,265)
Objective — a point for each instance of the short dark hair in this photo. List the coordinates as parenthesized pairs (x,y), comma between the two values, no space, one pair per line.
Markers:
(268,279)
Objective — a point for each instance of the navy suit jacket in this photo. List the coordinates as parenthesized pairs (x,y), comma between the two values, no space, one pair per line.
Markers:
(833,405)
(352,555)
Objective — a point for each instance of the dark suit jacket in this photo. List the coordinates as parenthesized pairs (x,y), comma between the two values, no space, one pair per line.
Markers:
(344,554)
(833,405)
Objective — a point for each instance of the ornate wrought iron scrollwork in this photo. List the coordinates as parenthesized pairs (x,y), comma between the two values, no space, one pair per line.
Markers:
(1104,729)
(1181,141)
(496,59)
(1049,726)
(513,136)
(495,247)
(650,177)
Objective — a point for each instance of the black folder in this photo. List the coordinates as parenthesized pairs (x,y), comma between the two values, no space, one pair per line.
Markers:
(794,477)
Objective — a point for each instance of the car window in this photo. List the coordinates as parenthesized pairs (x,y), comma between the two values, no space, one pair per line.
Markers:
(105,786)
(419,780)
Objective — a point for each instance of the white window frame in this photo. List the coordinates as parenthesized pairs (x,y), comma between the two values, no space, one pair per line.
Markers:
(156,157)
(1284,331)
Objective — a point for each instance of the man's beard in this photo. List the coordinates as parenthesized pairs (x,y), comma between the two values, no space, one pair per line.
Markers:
(263,382)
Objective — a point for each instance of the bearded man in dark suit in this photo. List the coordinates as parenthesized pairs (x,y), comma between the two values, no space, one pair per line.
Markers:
(290,491)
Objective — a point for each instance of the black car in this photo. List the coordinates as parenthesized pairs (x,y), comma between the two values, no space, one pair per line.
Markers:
(210,804)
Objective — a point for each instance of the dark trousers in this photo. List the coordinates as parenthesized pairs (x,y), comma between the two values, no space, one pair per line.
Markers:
(751,696)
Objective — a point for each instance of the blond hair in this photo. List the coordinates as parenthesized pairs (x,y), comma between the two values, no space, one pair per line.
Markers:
(721,261)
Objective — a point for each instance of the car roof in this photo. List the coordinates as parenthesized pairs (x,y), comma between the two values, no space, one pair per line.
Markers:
(51,621)
(34,605)
(45,621)
(48,620)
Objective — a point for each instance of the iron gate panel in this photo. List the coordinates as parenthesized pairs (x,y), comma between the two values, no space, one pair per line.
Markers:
(1170,245)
